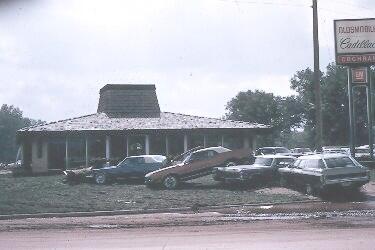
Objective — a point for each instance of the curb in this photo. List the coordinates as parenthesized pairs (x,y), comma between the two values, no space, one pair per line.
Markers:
(143,211)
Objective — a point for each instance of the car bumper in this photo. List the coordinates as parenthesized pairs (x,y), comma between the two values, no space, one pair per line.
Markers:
(347,182)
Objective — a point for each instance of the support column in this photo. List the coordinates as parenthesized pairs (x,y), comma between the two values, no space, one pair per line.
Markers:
(369,114)
(185,143)
(127,146)
(166,145)
(204,141)
(107,148)
(66,153)
(147,144)
(222,140)
(87,151)
(254,142)
(246,142)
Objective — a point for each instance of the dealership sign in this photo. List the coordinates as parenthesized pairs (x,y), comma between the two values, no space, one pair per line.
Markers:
(355,41)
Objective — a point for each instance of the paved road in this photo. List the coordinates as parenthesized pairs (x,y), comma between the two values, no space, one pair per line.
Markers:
(342,233)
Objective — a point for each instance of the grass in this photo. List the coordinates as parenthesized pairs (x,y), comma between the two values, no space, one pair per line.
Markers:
(48,194)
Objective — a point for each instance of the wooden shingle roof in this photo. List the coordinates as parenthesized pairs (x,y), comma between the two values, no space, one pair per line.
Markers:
(166,121)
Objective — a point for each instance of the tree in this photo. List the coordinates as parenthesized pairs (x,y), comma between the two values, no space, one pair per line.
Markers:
(335,107)
(282,113)
(11,120)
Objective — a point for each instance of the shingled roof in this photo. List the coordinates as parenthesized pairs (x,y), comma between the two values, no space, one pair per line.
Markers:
(166,121)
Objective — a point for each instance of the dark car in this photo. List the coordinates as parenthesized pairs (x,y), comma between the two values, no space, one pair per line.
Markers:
(133,167)
(272,151)
(318,172)
(198,163)
(264,169)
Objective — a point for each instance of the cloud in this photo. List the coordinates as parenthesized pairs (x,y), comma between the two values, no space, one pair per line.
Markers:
(56,55)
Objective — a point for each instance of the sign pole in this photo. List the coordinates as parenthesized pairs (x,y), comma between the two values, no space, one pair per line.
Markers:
(351,118)
(369,113)
(316,80)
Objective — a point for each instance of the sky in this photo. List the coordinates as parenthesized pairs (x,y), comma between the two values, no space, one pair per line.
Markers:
(56,55)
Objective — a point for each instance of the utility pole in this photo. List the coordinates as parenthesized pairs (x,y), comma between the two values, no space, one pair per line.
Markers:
(316,80)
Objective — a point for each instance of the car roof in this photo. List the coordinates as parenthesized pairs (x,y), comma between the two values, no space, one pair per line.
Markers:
(217,149)
(322,156)
(276,156)
(270,147)
(136,156)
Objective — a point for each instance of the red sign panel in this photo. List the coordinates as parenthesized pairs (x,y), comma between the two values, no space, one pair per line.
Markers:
(356,59)
(359,75)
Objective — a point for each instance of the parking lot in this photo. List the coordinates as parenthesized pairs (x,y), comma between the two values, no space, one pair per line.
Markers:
(46,194)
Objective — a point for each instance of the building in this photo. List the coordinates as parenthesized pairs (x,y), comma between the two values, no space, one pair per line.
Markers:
(128,122)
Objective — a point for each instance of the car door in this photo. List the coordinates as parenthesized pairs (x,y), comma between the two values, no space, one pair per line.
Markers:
(131,167)
(292,172)
(198,163)
(150,165)
(280,163)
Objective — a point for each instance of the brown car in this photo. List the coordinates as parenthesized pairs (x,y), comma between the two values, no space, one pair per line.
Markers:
(198,163)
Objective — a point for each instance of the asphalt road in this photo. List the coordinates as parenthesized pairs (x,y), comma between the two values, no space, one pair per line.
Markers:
(306,234)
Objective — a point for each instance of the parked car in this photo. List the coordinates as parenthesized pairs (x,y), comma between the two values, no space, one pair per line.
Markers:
(264,169)
(197,164)
(272,151)
(318,172)
(301,151)
(132,167)
(335,150)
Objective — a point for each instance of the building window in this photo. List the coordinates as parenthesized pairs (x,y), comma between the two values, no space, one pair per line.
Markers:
(39,148)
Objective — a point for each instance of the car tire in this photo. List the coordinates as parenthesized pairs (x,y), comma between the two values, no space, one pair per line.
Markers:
(170,182)
(283,182)
(101,178)
(309,189)
(230,164)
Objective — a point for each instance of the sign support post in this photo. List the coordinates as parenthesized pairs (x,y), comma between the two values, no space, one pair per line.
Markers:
(369,113)
(351,114)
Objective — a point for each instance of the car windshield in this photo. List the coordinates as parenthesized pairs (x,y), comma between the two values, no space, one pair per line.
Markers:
(158,158)
(263,161)
(132,160)
(340,162)
(281,150)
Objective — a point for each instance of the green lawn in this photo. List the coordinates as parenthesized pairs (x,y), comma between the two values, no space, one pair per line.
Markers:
(49,194)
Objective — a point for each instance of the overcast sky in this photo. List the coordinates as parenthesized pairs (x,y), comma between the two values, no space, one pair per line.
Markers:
(56,55)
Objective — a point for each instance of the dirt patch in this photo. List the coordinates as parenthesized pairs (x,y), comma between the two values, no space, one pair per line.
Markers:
(48,194)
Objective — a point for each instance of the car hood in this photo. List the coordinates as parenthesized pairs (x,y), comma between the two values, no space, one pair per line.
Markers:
(247,167)
(108,168)
(163,169)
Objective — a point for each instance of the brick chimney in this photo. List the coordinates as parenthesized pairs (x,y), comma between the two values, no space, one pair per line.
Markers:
(129,100)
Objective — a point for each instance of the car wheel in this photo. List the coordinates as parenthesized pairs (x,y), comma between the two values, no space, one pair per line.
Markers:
(101,178)
(230,164)
(170,182)
(309,190)
(283,182)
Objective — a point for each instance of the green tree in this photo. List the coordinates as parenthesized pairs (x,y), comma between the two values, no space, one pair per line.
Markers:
(282,113)
(335,107)
(11,119)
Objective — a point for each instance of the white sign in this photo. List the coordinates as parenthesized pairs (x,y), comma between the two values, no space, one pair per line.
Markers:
(355,41)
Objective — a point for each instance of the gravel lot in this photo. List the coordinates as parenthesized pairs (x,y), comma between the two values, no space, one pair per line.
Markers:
(45,194)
